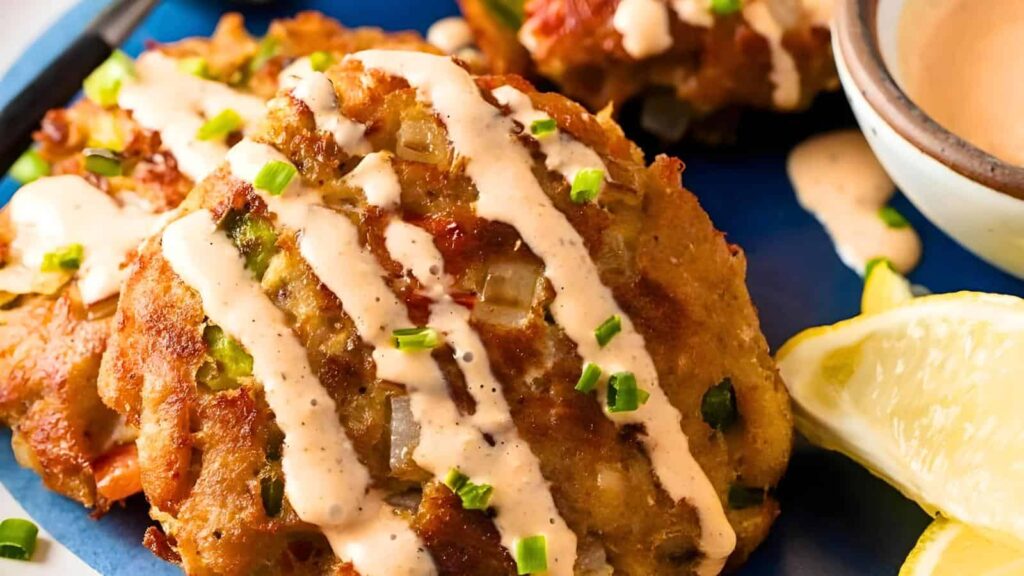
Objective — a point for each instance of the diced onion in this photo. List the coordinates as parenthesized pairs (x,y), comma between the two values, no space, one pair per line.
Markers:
(592,561)
(508,293)
(406,500)
(405,435)
(422,140)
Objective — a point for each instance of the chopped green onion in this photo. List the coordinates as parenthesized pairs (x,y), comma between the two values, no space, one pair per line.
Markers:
(320,60)
(218,127)
(229,361)
(103,85)
(509,13)
(718,406)
(64,258)
(267,49)
(586,185)
(195,65)
(415,338)
(875,262)
(255,238)
(741,497)
(532,555)
(455,479)
(272,494)
(29,167)
(892,217)
(623,394)
(643,396)
(274,177)
(18,539)
(102,161)
(724,7)
(543,127)
(608,329)
(474,496)
(588,379)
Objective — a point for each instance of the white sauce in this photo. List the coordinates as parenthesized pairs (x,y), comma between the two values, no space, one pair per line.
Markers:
(694,12)
(378,180)
(448,439)
(819,12)
(57,211)
(316,91)
(838,179)
(413,248)
(784,75)
(294,73)
(522,496)
(247,158)
(645,27)
(177,104)
(508,192)
(450,35)
(786,13)
(562,153)
(960,61)
(327,485)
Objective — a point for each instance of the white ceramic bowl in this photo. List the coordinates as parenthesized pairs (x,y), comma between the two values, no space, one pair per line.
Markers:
(972,196)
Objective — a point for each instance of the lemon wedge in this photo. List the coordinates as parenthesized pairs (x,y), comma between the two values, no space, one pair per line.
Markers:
(950,548)
(884,288)
(928,396)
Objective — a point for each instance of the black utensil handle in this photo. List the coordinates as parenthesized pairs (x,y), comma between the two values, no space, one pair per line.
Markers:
(53,87)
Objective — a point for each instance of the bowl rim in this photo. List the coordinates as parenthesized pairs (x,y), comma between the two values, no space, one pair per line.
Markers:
(856,27)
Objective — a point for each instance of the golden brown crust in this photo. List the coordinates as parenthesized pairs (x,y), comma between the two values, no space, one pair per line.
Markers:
(670,270)
(51,355)
(726,65)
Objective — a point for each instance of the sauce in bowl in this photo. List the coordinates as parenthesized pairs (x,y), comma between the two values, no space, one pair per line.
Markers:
(961,61)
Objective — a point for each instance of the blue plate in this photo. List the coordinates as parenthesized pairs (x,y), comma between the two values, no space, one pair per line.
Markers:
(836,518)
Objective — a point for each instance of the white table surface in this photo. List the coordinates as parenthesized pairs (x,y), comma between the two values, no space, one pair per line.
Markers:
(22,21)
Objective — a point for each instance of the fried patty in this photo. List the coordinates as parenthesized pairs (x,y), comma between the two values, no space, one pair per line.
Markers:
(210,455)
(577,47)
(51,344)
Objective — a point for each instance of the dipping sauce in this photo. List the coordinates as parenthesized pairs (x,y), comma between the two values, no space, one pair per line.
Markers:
(838,179)
(961,62)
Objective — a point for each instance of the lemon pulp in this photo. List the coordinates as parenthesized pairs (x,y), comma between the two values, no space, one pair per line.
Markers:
(927,395)
(948,548)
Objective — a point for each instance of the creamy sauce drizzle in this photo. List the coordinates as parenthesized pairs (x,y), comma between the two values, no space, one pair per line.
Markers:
(522,496)
(294,73)
(562,153)
(960,61)
(694,12)
(509,193)
(378,180)
(177,104)
(819,12)
(838,179)
(448,439)
(55,212)
(316,91)
(645,27)
(784,75)
(450,35)
(327,485)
